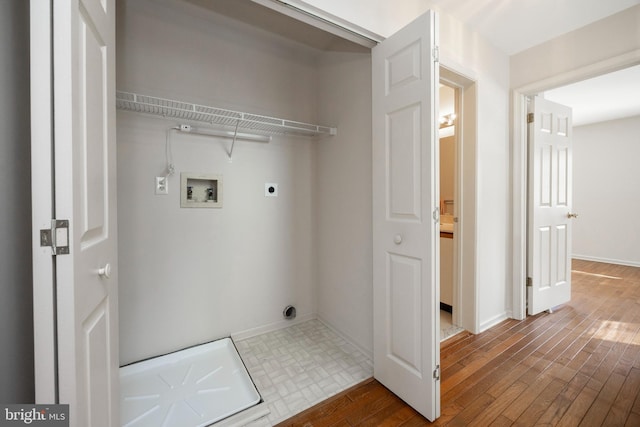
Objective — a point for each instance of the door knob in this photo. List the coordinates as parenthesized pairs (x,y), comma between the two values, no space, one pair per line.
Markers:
(572,215)
(397,239)
(105,271)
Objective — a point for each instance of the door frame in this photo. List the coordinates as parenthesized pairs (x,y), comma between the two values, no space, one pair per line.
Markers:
(42,207)
(466,313)
(519,159)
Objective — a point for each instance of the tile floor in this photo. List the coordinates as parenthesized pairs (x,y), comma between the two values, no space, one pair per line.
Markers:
(447,328)
(297,367)
(300,366)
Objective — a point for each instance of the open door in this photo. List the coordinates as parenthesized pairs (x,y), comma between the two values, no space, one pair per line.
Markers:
(405,215)
(75,289)
(549,212)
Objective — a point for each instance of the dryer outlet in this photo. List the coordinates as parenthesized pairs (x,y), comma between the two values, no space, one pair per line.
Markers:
(270,189)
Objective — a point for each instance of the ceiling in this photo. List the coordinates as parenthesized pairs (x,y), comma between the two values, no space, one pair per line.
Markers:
(516,25)
(609,97)
(275,22)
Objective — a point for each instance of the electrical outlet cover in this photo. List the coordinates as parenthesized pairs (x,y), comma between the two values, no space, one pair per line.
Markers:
(162,185)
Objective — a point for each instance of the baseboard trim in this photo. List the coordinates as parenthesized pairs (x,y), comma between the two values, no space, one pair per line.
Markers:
(607,260)
(281,324)
(493,321)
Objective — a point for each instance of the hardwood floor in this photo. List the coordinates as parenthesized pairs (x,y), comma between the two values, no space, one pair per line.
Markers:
(579,366)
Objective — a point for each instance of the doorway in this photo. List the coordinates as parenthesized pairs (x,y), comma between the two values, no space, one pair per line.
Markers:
(519,162)
(448,140)
(458,197)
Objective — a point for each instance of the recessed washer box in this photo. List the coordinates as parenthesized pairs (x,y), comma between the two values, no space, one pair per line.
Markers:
(200,190)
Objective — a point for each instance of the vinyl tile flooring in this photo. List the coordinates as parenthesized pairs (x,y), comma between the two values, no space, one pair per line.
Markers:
(300,366)
(447,328)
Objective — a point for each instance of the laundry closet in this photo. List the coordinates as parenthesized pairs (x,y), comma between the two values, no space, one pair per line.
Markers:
(292,222)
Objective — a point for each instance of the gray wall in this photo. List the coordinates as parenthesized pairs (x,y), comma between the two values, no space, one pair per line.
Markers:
(343,198)
(16,310)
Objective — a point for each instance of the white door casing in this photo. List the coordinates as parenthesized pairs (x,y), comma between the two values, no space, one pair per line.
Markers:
(84,176)
(549,202)
(44,329)
(405,220)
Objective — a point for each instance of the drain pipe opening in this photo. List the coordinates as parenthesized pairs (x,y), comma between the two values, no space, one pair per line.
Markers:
(289,312)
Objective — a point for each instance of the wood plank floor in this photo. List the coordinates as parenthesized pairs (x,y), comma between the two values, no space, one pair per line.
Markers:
(579,366)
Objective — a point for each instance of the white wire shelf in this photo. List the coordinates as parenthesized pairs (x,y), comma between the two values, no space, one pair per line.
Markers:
(216,116)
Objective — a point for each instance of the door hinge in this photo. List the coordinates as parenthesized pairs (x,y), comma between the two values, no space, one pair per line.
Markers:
(530,118)
(529,282)
(436,373)
(57,237)
(435,52)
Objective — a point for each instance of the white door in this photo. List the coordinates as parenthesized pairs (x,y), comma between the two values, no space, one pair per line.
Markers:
(405,217)
(81,66)
(549,224)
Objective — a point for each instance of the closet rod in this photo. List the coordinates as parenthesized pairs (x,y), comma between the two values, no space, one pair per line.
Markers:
(223,133)
(235,135)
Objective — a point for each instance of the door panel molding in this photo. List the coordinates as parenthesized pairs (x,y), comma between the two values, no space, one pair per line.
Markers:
(405,237)
(549,205)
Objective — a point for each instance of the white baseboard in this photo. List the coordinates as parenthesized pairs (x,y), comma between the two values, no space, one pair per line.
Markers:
(493,321)
(607,260)
(281,324)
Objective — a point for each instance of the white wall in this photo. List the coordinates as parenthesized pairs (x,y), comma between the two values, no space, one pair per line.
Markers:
(343,198)
(16,287)
(447,146)
(605,191)
(192,275)
(471,55)
(447,168)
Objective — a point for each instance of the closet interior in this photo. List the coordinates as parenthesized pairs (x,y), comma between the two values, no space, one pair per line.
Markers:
(271,120)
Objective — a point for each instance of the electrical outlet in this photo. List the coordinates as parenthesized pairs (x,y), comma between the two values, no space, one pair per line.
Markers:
(271,189)
(162,185)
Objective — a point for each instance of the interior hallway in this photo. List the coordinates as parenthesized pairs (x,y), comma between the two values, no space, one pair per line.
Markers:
(577,366)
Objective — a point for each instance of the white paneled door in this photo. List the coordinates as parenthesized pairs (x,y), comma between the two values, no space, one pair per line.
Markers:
(550,215)
(78,116)
(405,216)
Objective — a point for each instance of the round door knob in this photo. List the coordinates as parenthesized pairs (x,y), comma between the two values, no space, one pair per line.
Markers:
(397,239)
(105,271)
(572,215)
